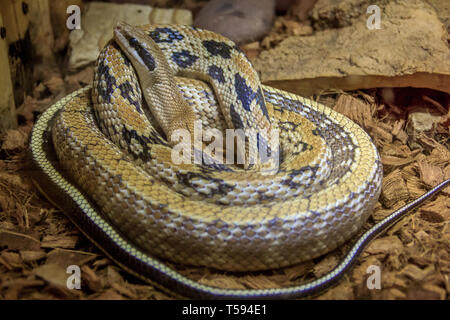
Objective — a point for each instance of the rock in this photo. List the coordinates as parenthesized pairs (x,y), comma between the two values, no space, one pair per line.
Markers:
(241,21)
(99,20)
(329,14)
(422,120)
(410,49)
(442,8)
(301,8)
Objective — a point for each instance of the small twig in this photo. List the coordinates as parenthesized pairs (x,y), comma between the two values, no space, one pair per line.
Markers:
(436,104)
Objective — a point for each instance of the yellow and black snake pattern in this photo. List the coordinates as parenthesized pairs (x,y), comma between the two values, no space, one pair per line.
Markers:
(106,160)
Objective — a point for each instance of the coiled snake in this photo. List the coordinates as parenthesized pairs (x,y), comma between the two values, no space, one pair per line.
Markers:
(105,155)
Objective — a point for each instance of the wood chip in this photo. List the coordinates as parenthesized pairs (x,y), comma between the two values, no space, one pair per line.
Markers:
(325,265)
(385,245)
(12,259)
(355,109)
(440,208)
(430,174)
(113,276)
(394,294)
(17,241)
(343,291)
(91,279)
(123,290)
(32,256)
(64,258)
(15,139)
(51,241)
(414,272)
(110,294)
(394,189)
(53,274)
(398,127)
(440,292)
(294,272)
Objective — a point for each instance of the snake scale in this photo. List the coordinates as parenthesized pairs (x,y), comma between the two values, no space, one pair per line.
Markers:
(104,155)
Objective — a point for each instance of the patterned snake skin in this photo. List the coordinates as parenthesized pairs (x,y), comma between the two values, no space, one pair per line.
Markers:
(320,197)
(114,163)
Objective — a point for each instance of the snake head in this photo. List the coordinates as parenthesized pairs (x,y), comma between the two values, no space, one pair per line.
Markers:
(156,79)
(140,49)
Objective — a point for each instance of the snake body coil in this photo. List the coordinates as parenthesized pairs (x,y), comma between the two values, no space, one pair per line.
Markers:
(113,168)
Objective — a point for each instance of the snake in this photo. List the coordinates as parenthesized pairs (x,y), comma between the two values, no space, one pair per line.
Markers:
(105,155)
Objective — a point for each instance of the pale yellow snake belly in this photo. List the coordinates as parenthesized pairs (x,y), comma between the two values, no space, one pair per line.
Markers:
(108,162)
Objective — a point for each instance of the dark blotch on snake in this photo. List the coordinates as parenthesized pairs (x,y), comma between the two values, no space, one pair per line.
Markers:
(126,61)
(244,93)
(128,135)
(288,126)
(293,173)
(263,148)
(184,59)
(125,90)
(260,101)
(235,118)
(266,152)
(187,179)
(209,164)
(238,49)
(316,132)
(103,74)
(143,53)
(218,48)
(306,146)
(143,141)
(167,35)
(216,73)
